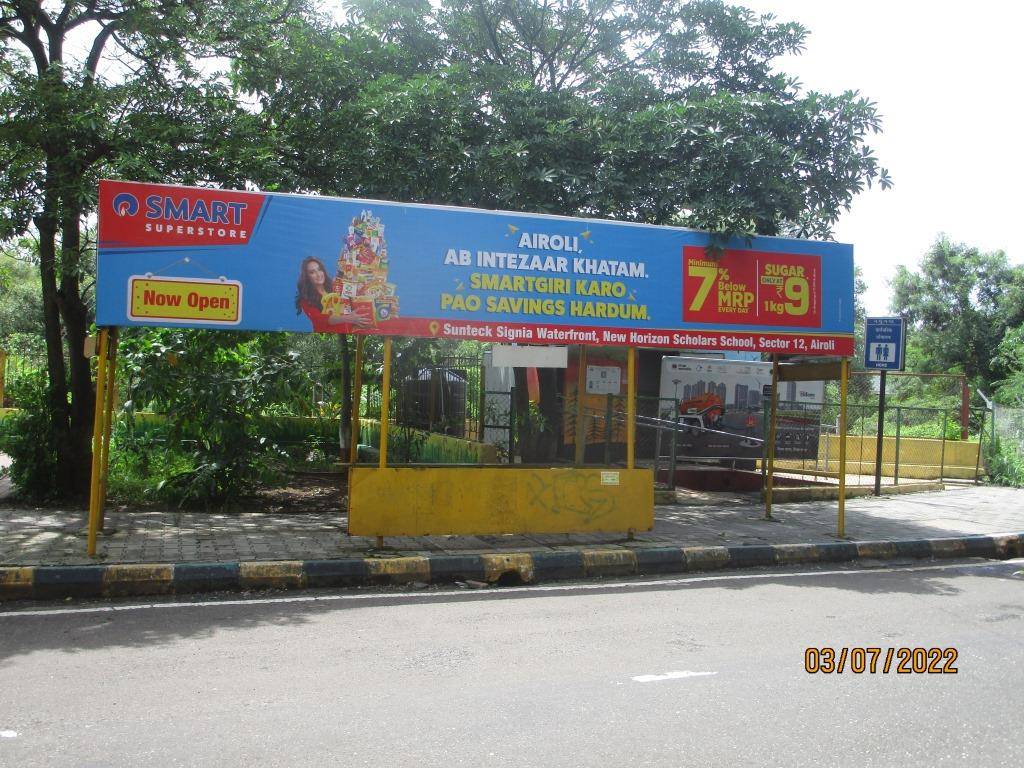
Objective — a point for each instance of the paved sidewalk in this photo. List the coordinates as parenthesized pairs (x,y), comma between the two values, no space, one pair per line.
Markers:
(44,537)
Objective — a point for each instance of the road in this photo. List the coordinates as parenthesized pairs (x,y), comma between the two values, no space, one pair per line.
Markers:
(580,675)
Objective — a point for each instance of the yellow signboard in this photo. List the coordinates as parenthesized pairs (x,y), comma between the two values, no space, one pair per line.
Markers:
(184,300)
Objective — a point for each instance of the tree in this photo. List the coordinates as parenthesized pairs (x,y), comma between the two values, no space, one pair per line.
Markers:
(20,308)
(659,112)
(665,113)
(959,305)
(861,388)
(108,87)
(1010,358)
(638,110)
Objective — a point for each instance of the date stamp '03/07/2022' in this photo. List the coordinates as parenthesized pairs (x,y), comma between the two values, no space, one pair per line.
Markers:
(873,660)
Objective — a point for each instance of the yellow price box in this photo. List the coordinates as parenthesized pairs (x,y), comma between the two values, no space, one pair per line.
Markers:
(184,300)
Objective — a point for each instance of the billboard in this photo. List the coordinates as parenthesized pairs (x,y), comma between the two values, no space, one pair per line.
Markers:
(210,258)
(720,405)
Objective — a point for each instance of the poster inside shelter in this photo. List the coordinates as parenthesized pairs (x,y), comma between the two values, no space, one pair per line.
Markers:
(210,258)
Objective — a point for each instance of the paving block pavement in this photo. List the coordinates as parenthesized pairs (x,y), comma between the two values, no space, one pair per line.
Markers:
(42,552)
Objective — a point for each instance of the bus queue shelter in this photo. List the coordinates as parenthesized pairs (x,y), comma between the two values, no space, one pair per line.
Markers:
(211,258)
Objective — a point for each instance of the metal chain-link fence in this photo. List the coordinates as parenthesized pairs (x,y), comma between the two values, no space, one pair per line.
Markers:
(1008,425)
(19,371)
(918,444)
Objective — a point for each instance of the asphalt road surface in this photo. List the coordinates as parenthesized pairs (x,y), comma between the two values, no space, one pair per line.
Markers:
(705,670)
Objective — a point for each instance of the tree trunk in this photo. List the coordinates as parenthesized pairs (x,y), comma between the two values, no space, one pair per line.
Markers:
(539,432)
(551,412)
(57,391)
(76,326)
(345,424)
(523,424)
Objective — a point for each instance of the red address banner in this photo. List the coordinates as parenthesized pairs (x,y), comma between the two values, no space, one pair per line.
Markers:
(778,342)
(751,288)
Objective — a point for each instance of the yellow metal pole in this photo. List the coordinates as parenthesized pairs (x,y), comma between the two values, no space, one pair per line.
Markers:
(844,377)
(357,396)
(108,420)
(581,386)
(770,448)
(97,435)
(630,407)
(385,409)
(385,403)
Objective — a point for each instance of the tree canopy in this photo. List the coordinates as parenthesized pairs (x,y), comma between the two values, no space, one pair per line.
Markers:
(960,305)
(107,87)
(637,110)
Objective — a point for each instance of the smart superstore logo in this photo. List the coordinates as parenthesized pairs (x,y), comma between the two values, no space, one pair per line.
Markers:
(126,204)
(134,215)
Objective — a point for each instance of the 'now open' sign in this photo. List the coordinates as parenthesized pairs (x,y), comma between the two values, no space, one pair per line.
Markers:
(184,300)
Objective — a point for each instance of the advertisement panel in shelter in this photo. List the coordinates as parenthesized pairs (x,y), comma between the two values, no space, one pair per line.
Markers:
(210,258)
(720,407)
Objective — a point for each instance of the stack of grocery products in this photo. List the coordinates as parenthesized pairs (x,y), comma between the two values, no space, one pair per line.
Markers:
(362,275)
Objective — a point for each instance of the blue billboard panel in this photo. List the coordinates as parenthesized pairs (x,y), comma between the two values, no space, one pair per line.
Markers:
(210,258)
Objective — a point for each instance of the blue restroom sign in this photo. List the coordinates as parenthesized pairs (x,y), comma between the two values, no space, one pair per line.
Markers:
(884,343)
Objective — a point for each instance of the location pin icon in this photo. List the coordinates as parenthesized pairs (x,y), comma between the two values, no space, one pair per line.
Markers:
(434,327)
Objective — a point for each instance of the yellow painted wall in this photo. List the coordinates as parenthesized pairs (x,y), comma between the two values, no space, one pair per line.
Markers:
(427,501)
(920,458)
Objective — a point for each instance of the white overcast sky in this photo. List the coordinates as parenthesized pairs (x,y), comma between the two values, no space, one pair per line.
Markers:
(947,78)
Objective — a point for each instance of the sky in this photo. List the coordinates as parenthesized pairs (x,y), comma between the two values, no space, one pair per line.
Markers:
(947,81)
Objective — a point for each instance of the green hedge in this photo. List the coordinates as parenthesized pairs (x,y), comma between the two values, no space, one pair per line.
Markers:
(427,447)
(404,444)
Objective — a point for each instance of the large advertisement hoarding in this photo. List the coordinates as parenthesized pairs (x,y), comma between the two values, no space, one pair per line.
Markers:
(255,261)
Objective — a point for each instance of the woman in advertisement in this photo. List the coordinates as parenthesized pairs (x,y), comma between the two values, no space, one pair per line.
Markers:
(312,288)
